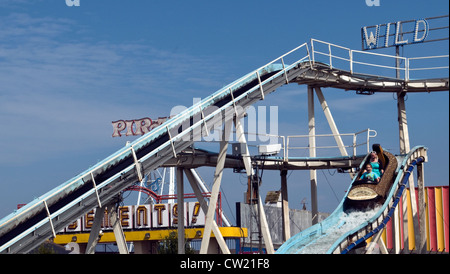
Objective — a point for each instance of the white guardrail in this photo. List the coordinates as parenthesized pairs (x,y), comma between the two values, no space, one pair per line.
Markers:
(287,145)
(367,134)
(356,61)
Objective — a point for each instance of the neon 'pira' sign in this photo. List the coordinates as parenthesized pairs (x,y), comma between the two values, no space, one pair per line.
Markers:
(394,34)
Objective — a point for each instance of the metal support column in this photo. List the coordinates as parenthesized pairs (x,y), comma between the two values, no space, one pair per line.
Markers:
(117,229)
(312,153)
(204,205)
(285,206)
(404,149)
(240,136)
(204,188)
(171,184)
(215,188)
(333,127)
(248,168)
(402,123)
(265,228)
(180,210)
(94,235)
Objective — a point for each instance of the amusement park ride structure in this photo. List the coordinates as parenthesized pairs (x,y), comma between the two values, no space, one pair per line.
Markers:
(317,64)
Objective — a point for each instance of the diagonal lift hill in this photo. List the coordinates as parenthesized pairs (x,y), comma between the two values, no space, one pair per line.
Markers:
(26,228)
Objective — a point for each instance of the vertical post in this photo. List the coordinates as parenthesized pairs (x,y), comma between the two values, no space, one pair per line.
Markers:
(171,184)
(180,209)
(404,149)
(397,62)
(312,153)
(404,137)
(422,244)
(215,188)
(402,123)
(285,206)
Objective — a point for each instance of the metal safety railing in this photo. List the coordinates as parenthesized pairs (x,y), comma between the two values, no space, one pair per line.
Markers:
(367,134)
(287,146)
(357,61)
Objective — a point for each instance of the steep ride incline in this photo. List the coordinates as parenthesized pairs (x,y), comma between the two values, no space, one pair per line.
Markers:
(37,221)
(355,221)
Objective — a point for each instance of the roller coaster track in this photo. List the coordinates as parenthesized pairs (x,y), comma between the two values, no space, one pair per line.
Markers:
(316,239)
(26,228)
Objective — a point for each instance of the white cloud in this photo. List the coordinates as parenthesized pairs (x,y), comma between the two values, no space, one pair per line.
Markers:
(59,93)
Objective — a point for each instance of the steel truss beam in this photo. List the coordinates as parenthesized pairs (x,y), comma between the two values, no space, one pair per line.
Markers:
(204,205)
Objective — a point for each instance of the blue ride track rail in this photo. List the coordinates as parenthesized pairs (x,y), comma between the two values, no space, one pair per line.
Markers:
(367,228)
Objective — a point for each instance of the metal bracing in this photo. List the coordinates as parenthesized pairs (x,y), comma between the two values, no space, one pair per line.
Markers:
(195,184)
(382,245)
(250,172)
(376,240)
(94,236)
(332,124)
(402,123)
(204,188)
(49,216)
(216,187)
(265,227)
(117,229)
(240,134)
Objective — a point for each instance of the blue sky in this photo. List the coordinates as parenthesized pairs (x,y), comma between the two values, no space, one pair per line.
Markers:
(67,72)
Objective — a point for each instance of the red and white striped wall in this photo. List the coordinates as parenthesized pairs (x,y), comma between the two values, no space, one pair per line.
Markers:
(437,219)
